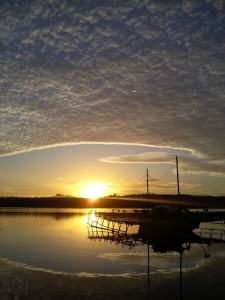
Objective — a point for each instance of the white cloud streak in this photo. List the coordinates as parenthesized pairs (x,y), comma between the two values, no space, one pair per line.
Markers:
(189,163)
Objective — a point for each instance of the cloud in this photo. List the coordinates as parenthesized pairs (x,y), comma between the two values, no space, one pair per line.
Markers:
(152,157)
(132,72)
(188,162)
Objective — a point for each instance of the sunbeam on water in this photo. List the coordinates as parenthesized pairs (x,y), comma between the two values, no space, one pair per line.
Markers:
(59,240)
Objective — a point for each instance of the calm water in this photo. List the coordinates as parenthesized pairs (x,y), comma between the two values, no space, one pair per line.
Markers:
(58,240)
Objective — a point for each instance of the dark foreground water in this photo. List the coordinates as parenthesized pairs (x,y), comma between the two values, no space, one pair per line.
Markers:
(59,240)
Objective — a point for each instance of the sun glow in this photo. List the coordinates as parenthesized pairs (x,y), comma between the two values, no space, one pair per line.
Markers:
(93,190)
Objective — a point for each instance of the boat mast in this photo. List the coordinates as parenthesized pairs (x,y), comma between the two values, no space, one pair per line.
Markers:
(178,184)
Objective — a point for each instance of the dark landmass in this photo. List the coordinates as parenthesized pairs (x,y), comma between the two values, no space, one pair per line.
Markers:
(129,201)
(183,200)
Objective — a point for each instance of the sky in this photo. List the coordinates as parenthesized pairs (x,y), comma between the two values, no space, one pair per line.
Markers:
(97,90)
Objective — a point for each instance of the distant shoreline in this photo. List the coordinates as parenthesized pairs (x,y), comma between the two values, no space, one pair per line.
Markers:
(129,201)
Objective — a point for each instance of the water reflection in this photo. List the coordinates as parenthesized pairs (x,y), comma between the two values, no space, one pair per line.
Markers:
(59,240)
(162,235)
(57,214)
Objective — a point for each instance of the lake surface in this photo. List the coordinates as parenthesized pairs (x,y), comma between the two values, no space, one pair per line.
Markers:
(59,240)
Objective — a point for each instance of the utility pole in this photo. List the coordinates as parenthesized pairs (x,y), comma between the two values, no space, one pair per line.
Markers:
(178,184)
(147,182)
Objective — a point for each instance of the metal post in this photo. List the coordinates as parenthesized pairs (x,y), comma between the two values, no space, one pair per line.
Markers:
(147,182)
(178,184)
(113,225)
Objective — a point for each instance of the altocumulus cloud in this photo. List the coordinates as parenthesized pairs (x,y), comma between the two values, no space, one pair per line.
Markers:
(113,71)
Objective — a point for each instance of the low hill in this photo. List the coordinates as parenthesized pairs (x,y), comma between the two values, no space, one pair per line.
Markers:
(129,201)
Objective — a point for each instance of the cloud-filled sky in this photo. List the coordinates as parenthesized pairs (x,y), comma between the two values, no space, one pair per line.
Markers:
(138,71)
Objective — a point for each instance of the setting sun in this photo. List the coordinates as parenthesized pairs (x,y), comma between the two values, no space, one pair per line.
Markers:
(93,190)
